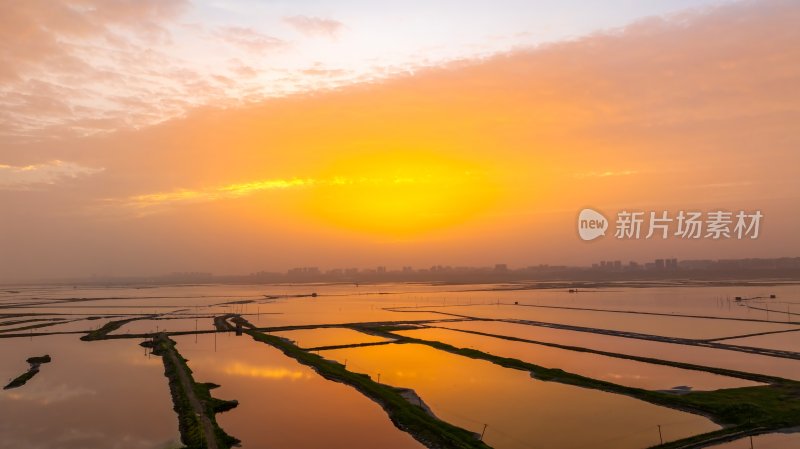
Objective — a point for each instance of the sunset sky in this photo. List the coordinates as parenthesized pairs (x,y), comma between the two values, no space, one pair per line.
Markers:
(141,137)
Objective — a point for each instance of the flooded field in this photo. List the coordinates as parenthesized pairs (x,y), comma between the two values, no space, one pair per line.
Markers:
(700,300)
(516,408)
(102,389)
(310,338)
(774,366)
(786,342)
(768,441)
(276,394)
(84,397)
(72,325)
(670,326)
(167,325)
(624,372)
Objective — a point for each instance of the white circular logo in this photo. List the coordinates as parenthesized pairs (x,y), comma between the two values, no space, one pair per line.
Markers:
(591,224)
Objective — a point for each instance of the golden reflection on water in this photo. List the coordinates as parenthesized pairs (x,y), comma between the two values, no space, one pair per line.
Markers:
(519,411)
(470,393)
(267,372)
(329,336)
(626,372)
(279,399)
(741,361)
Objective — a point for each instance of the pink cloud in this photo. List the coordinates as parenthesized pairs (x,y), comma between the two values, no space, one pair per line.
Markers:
(704,109)
(35,33)
(250,40)
(315,26)
(35,175)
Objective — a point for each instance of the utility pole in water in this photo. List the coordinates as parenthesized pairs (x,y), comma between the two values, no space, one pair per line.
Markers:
(484,431)
(661,438)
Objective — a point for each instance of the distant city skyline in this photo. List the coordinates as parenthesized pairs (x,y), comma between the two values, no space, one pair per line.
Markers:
(606,270)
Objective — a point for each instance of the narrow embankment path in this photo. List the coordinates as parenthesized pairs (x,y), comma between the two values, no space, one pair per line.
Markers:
(193,402)
(187,385)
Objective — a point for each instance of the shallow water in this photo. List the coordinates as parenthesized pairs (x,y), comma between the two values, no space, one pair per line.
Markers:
(670,326)
(520,412)
(170,325)
(754,363)
(768,441)
(283,404)
(701,299)
(620,371)
(329,336)
(789,341)
(105,394)
(336,310)
(255,370)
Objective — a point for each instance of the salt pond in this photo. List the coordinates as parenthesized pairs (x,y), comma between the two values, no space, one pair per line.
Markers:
(768,441)
(774,366)
(105,394)
(519,410)
(283,404)
(620,371)
(328,336)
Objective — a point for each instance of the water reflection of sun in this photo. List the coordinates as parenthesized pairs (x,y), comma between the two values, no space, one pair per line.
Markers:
(267,372)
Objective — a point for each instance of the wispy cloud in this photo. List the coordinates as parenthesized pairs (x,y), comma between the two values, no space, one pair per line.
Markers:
(153,202)
(605,174)
(59,64)
(250,39)
(315,26)
(28,176)
(188,196)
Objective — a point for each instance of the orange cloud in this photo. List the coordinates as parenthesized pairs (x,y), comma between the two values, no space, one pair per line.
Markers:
(697,111)
(605,174)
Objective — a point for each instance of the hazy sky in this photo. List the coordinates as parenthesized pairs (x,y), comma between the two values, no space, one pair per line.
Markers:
(142,137)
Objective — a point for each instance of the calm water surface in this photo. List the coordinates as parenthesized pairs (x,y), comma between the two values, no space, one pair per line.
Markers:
(620,371)
(122,398)
(283,404)
(105,394)
(521,412)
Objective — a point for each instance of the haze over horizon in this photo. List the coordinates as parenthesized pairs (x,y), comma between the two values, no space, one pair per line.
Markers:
(145,137)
